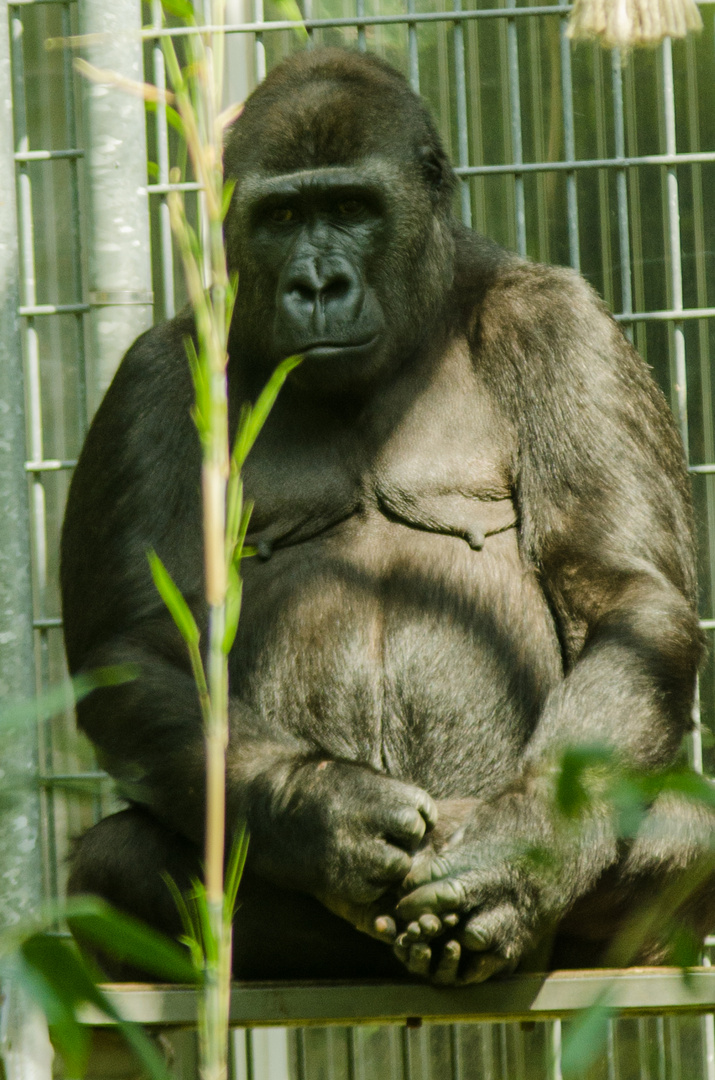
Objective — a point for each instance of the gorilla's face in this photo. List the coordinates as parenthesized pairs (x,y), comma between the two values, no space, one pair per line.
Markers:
(339,225)
(315,234)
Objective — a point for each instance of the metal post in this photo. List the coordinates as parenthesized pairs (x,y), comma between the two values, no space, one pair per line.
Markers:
(20,856)
(24,1041)
(116,173)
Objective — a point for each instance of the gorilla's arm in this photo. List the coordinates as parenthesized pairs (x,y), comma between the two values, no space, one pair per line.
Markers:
(605,519)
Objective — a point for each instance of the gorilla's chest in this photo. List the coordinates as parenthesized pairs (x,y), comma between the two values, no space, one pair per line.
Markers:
(387,621)
(433,452)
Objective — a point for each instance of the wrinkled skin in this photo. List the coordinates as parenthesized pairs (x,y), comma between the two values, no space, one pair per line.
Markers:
(475,547)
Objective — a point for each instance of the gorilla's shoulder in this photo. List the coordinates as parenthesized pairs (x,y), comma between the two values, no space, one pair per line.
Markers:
(548,316)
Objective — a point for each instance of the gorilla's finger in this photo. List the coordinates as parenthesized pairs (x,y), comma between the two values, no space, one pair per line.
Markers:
(385,928)
(413,932)
(432,899)
(428,808)
(430,925)
(484,929)
(402,952)
(448,967)
(451,918)
(420,958)
(479,969)
(406,827)
(390,864)
(426,868)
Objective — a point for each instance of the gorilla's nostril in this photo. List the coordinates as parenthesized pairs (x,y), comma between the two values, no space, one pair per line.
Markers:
(337,289)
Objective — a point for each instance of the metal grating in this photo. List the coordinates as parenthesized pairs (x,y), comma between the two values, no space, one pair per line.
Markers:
(566,155)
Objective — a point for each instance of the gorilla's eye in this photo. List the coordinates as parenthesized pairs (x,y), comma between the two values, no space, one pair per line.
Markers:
(350,207)
(281,215)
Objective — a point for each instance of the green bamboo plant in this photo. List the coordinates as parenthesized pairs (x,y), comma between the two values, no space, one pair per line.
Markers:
(196,112)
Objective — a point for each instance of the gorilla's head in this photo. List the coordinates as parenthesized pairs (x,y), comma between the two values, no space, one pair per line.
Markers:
(340,225)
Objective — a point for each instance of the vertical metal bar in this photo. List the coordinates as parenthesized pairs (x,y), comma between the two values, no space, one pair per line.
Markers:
(20,853)
(76,260)
(301,1062)
(643,1045)
(352,1055)
(555,1073)
(675,1070)
(116,172)
(604,216)
(250,1055)
(611,1051)
(258,17)
(460,79)
(708,1024)
(308,13)
(515,116)
(569,144)
(456,1048)
(360,12)
(406,1054)
(676,272)
(537,134)
(662,1063)
(624,243)
(162,153)
(414,59)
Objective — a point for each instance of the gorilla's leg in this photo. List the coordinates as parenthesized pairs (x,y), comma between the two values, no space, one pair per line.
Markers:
(667,871)
(277,935)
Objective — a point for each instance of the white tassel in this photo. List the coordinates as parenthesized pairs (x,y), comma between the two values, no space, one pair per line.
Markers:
(628,23)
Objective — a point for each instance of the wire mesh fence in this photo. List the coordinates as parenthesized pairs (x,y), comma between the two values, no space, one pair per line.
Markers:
(569,155)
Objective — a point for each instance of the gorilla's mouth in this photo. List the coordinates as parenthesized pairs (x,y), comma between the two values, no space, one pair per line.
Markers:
(326,350)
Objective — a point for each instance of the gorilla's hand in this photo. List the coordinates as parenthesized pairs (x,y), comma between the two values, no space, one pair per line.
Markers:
(465,920)
(343,833)
(476,905)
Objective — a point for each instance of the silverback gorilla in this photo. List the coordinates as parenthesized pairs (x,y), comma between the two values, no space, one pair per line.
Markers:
(475,548)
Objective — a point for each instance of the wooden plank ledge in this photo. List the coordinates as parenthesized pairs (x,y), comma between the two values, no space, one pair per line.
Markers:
(556,995)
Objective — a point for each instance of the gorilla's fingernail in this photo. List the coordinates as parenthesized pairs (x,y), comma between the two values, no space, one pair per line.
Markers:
(413,931)
(452,949)
(403,941)
(450,919)
(476,940)
(385,925)
(430,924)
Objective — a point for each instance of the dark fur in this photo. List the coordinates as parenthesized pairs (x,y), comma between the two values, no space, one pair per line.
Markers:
(481,550)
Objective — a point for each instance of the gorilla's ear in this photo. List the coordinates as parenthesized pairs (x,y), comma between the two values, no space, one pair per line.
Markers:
(434,167)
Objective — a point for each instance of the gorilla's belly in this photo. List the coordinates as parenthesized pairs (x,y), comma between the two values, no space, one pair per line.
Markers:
(401,648)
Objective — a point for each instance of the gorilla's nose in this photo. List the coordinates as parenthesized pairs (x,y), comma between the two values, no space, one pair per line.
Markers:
(322,297)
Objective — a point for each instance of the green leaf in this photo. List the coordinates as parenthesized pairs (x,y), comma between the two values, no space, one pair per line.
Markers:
(234,869)
(572,795)
(254,418)
(174,119)
(61,697)
(183,9)
(585,1040)
(202,393)
(54,973)
(228,189)
(169,592)
(290,10)
(128,939)
(152,170)
(234,593)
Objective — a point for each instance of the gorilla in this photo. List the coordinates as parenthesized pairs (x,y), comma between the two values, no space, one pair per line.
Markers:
(474,545)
